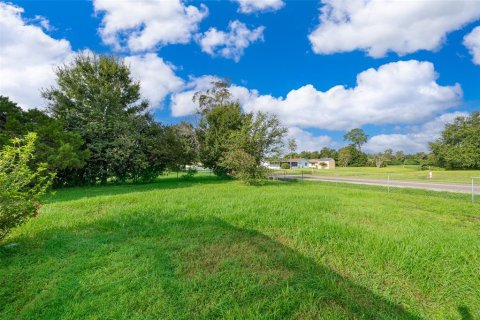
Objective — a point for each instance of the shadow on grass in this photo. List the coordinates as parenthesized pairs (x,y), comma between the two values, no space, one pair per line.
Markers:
(464,312)
(142,266)
(83,192)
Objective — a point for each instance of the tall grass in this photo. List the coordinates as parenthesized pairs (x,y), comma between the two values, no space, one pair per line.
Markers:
(208,249)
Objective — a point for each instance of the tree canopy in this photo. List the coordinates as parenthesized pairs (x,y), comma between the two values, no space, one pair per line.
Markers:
(231,141)
(357,137)
(459,144)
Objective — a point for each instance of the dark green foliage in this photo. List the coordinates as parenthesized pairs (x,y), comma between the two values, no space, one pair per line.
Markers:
(97,98)
(324,153)
(260,135)
(459,145)
(60,150)
(352,157)
(189,173)
(216,127)
(328,153)
(231,142)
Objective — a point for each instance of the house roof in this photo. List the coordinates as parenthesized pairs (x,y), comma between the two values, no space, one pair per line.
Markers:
(289,160)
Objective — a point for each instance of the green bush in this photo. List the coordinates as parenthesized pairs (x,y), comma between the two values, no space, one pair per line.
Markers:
(244,167)
(189,173)
(20,186)
(285,166)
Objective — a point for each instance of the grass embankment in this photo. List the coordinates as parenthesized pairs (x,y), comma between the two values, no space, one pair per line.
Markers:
(218,249)
(395,172)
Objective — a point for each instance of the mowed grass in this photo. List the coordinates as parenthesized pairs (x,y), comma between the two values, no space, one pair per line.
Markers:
(208,248)
(395,173)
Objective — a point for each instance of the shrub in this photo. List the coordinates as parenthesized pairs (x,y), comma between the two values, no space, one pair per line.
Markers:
(20,186)
(243,166)
(285,166)
(189,173)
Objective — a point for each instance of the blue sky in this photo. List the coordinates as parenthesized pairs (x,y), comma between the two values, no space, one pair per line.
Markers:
(399,70)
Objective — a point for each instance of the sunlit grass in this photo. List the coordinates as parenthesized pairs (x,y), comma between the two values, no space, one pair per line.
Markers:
(211,248)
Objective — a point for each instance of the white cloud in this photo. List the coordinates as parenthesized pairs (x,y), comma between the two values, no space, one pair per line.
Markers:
(404,92)
(250,6)
(379,26)
(472,42)
(157,78)
(414,141)
(144,24)
(27,57)
(182,104)
(231,44)
(306,141)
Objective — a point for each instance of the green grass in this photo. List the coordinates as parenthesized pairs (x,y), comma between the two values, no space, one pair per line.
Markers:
(208,249)
(395,172)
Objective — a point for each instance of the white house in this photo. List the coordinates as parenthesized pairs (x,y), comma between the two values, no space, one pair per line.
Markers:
(294,163)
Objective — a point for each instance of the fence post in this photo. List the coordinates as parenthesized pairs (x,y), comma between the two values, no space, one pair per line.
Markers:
(473,191)
(388,183)
(302,175)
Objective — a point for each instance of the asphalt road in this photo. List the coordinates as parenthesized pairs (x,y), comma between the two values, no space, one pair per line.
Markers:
(436,186)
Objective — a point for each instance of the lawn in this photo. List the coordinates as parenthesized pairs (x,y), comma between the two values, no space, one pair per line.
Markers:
(209,248)
(395,173)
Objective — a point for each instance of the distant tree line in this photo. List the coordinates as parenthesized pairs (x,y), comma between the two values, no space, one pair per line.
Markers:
(457,148)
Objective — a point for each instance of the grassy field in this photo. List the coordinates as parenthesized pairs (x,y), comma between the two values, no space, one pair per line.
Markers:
(209,248)
(395,172)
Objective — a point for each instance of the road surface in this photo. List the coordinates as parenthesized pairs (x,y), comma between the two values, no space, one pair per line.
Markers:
(436,186)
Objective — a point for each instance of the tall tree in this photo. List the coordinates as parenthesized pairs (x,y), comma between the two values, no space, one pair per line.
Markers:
(459,144)
(357,137)
(260,136)
(292,146)
(96,97)
(231,141)
(214,132)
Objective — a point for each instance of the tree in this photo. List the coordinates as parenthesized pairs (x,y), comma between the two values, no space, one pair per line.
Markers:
(20,186)
(217,95)
(351,156)
(459,144)
(231,141)
(97,98)
(292,146)
(260,136)
(380,160)
(357,137)
(62,151)
(215,129)
(328,153)
(344,156)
